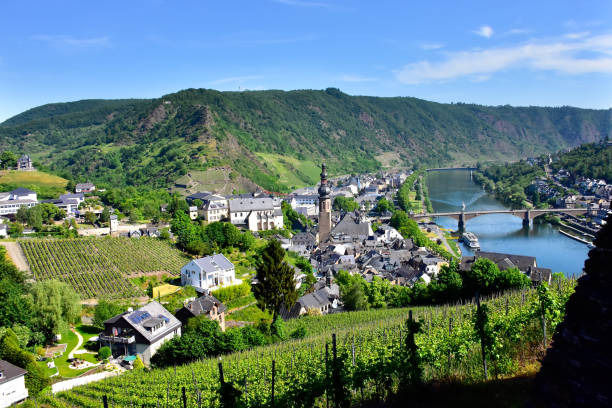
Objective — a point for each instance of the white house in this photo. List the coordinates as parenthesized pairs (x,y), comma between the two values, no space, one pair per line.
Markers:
(84,188)
(12,384)
(256,213)
(140,332)
(209,272)
(193,212)
(214,208)
(11,201)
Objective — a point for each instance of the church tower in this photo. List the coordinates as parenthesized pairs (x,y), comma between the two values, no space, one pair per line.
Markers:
(324,207)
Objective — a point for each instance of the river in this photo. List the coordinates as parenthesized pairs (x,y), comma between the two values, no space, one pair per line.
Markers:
(448,189)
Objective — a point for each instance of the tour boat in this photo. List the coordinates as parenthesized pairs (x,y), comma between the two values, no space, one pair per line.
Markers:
(470,239)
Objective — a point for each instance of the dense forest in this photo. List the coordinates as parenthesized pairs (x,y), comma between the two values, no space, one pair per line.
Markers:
(590,160)
(155,141)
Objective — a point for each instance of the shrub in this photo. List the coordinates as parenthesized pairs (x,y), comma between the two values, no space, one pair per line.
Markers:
(104,353)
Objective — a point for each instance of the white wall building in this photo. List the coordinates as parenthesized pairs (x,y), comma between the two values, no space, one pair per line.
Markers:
(209,273)
(11,201)
(12,384)
(256,213)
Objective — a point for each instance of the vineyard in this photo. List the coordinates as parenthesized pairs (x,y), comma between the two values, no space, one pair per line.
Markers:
(376,352)
(101,266)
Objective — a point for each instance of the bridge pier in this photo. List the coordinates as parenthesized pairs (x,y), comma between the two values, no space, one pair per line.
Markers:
(461,223)
(526,219)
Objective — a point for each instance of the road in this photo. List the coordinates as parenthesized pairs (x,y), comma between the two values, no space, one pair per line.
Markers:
(16,254)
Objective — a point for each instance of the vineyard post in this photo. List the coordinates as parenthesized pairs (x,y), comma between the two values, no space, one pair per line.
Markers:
(184,398)
(335,373)
(543,326)
(506,305)
(353,350)
(105,401)
(326,375)
(167,393)
(450,332)
(482,340)
(273,375)
(220,373)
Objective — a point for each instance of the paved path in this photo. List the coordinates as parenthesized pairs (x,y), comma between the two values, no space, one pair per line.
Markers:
(17,256)
(75,382)
(79,344)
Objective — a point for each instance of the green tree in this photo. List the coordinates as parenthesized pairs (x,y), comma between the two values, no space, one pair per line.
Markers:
(354,298)
(8,159)
(35,379)
(481,277)
(55,305)
(90,217)
(105,215)
(275,283)
(347,204)
(22,214)
(104,310)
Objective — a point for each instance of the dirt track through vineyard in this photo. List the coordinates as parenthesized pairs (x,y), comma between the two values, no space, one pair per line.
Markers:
(16,254)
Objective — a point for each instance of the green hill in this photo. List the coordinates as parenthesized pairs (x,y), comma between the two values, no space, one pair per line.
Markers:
(265,135)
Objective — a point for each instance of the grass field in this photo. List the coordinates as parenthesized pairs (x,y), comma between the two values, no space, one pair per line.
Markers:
(101,266)
(292,172)
(46,185)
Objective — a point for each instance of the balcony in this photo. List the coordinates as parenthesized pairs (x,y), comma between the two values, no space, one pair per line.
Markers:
(117,339)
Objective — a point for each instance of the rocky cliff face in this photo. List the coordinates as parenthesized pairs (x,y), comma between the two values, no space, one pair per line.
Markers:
(576,371)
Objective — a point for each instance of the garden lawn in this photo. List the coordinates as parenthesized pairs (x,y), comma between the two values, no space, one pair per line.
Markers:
(249,314)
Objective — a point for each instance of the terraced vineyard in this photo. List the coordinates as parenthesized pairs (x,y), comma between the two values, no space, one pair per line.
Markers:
(371,357)
(101,266)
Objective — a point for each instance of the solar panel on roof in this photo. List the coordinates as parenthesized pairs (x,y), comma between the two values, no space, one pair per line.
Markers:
(138,316)
(167,320)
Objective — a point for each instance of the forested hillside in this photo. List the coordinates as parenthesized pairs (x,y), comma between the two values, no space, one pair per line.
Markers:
(263,134)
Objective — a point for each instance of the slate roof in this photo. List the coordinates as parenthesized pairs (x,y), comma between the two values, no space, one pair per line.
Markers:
(253,204)
(504,261)
(214,263)
(200,195)
(204,304)
(22,191)
(10,371)
(349,226)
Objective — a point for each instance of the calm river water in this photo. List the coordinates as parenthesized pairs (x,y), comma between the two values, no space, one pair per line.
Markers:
(448,189)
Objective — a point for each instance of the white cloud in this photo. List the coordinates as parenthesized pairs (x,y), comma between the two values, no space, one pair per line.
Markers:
(575,36)
(518,31)
(357,78)
(560,56)
(431,46)
(235,79)
(484,31)
(67,41)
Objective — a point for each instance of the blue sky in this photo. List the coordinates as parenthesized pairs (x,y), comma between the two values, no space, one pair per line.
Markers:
(489,52)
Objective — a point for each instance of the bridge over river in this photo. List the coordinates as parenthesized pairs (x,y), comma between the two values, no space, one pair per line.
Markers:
(526,214)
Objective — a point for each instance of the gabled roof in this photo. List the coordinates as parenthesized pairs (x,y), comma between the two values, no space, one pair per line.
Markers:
(10,371)
(213,263)
(204,304)
(147,316)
